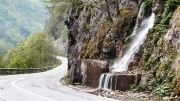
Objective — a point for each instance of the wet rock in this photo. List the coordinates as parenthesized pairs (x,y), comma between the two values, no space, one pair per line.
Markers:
(88,72)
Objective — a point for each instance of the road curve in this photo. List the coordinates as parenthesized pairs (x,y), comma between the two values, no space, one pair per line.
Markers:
(43,86)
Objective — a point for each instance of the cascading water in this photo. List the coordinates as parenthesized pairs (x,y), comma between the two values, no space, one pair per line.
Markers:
(107,84)
(135,29)
(122,64)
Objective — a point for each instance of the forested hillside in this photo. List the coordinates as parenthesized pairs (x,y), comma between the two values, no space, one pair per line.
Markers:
(19,18)
(35,52)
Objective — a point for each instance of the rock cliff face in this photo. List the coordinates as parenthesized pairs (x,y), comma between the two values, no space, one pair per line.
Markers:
(93,36)
(100,30)
(61,46)
(172,36)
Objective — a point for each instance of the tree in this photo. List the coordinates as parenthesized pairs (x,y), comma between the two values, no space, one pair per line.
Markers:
(1,56)
(18,19)
(17,62)
(40,49)
(35,52)
(60,5)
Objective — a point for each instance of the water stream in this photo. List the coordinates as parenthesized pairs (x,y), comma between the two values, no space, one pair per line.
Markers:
(135,29)
(106,81)
(122,63)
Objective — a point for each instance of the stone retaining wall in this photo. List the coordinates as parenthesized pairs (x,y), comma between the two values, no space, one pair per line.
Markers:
(123,82)
(88,72)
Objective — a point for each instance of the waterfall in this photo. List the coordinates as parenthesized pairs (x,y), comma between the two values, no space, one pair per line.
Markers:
(106,81)
(120,65)
(137,20)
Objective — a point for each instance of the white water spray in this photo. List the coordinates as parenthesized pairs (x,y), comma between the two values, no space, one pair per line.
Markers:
(135,29)
(107,84)
(122,63)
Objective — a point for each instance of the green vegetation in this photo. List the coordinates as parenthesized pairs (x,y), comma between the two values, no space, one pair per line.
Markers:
(127,39)
(170,7)
(66,78)
(147,4)
(160,85)
(18,19)
(159,55)
(35,52)
(61,5)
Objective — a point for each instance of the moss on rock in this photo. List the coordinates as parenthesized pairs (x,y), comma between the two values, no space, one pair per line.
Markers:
(109,36)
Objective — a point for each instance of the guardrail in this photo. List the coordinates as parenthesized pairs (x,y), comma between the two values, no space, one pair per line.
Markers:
(8,71)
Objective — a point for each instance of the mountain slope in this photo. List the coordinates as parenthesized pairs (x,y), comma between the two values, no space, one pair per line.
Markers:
(19,18)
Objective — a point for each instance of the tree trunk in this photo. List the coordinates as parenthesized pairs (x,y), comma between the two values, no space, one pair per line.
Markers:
(108,10)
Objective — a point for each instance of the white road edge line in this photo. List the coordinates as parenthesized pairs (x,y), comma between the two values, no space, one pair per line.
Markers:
(13,84)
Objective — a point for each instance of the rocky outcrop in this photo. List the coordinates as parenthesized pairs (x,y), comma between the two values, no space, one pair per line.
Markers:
(173,34)
(88,72)
(92,36)
(61,46)
(176,67)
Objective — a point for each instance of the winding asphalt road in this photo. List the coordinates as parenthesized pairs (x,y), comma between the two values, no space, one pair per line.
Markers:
(43,86)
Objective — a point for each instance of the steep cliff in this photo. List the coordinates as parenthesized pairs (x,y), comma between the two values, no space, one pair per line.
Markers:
(101,29)
(92,35)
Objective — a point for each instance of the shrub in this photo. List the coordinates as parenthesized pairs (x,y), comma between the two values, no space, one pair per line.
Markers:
(147,4)
(127,39)
(163,90)
(139,88)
